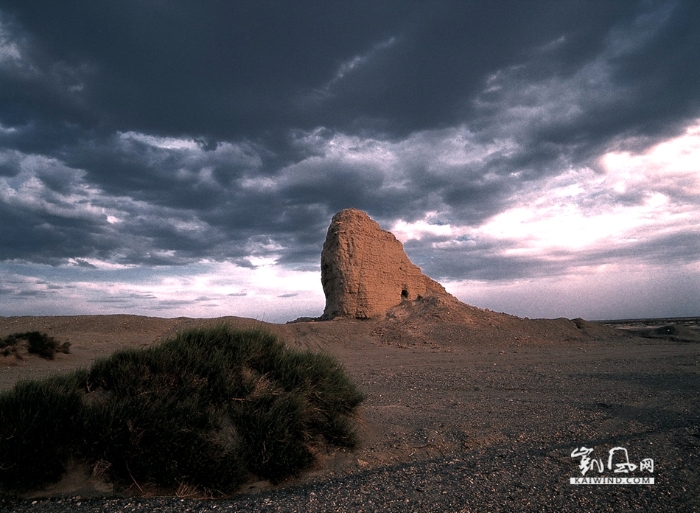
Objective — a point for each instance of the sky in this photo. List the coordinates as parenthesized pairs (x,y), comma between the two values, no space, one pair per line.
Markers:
(180,158)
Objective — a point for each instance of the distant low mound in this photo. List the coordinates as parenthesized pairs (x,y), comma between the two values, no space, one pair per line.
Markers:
(672,332)
(448,321)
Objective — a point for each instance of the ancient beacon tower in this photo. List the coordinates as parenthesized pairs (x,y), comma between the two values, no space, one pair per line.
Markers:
(365,271)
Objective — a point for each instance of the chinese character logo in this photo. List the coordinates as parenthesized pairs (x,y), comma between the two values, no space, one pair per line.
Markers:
(618,462)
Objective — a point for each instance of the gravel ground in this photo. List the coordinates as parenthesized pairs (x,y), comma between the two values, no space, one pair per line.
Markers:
(475,427)
(497,479)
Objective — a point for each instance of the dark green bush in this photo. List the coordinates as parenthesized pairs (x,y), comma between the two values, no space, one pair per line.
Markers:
(38,431)
(37,343)
(206,408)
(275,434)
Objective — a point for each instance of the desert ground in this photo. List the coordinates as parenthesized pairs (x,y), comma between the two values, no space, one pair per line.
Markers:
(465,410)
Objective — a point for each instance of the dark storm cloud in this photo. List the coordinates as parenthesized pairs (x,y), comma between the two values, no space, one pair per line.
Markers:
(162,133)
(674,249)
(225,70)
(483,259)
(232,70)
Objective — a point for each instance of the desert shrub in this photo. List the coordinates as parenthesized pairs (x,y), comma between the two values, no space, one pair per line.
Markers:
(323,382)
(37,343)
(164,441)
(37,431)
(206,408)
(275,435)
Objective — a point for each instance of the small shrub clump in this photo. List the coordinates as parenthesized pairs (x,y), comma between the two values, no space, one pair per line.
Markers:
(207,409)
(37,343)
